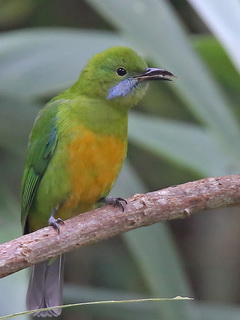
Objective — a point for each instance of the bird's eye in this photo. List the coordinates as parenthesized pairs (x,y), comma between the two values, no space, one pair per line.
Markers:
(121,71)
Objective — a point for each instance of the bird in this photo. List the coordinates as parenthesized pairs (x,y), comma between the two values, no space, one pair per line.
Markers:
(75,151)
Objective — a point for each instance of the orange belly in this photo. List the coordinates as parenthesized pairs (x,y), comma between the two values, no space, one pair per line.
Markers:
(94,163)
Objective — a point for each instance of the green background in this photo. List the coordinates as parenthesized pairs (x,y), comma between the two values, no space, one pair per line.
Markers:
(181,131)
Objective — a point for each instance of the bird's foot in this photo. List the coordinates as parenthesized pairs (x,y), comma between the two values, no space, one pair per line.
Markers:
(55,222)
(116,202)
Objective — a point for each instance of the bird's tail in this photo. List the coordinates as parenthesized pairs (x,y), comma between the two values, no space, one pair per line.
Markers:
(45,287)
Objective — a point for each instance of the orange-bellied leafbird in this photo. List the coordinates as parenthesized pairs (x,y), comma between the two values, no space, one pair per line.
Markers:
(76,149)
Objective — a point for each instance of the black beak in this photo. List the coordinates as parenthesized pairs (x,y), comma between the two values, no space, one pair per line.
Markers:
(155,74)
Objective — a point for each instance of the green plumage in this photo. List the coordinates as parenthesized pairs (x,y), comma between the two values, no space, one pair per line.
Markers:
(42,144)
(76,149)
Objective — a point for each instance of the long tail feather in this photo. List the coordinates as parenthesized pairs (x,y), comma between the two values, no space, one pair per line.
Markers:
(45,287)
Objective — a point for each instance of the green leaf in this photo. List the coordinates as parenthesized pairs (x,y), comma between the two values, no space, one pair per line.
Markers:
(13,287)
(215,57)
(19,114)
(43,61)
(187,144)
(156,255)
(223,20)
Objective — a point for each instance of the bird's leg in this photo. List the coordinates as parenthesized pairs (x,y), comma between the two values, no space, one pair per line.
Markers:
(116,202)
(54,222)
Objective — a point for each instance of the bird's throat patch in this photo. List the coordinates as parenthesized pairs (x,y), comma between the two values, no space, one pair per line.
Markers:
(123,88)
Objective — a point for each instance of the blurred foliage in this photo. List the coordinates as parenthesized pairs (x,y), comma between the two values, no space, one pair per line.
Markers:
(181,131)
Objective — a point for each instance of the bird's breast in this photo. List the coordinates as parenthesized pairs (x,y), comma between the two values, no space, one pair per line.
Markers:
(94,163)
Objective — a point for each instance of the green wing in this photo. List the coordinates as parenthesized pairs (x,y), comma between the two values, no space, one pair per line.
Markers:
(42,144)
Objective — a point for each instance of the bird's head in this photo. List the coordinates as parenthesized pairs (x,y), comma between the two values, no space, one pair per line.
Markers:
(119,75)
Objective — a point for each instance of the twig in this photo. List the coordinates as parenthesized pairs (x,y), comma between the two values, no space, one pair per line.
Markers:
(175,202)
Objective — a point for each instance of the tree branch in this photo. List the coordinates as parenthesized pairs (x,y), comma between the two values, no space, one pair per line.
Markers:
(175,202)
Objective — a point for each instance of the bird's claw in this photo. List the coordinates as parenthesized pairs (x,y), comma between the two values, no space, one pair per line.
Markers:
(116,202)
(55,222)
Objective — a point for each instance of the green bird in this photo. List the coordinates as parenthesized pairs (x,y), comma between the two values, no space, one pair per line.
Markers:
(76,149)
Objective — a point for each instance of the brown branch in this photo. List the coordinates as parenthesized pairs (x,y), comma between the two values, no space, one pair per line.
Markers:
(142,209)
